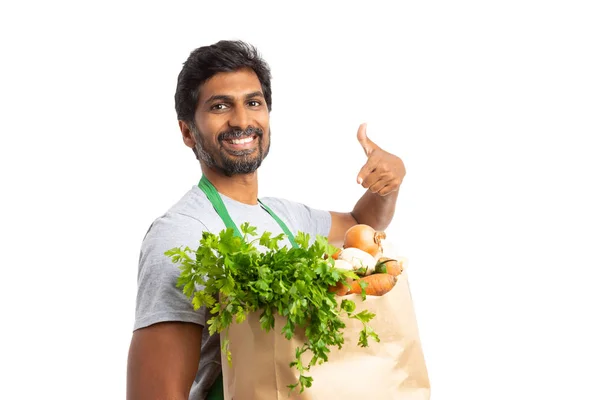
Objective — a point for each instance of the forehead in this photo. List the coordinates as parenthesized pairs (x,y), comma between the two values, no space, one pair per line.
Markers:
(236,83)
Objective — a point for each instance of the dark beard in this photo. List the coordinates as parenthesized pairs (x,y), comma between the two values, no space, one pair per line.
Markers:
(242,163)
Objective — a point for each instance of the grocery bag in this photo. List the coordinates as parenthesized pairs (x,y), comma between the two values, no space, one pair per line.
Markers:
(392,369)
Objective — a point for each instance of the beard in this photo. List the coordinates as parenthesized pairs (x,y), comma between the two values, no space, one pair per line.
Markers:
(231,162)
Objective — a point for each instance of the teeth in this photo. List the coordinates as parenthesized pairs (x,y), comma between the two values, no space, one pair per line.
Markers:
(241,141)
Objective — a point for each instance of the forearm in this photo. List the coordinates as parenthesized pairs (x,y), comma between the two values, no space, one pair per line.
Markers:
(375,210)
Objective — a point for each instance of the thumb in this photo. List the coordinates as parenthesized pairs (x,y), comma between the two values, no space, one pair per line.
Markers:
(366,143)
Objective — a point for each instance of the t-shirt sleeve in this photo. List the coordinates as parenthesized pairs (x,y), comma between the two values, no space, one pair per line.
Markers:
(158,297)
(314,221)
(306,219)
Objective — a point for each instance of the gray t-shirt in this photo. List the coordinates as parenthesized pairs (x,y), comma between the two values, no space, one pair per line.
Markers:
(158,298)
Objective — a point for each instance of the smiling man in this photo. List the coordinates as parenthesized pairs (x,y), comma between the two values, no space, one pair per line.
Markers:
(223,101)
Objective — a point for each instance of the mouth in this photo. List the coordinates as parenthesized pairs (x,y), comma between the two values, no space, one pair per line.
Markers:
(238,144)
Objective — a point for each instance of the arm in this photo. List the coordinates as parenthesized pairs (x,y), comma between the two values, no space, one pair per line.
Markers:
(375,210)
(382,176)
(163,361)
(165,348)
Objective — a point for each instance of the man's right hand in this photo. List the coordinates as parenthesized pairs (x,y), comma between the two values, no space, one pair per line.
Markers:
(163,361)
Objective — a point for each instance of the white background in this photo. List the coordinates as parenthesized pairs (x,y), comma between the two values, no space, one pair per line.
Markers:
(493,106)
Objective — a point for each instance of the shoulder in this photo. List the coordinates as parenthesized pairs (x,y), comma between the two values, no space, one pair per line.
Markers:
(194,205)
(181,225)
(158,297)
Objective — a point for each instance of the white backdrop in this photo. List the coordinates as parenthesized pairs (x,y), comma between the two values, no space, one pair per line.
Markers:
(493,106)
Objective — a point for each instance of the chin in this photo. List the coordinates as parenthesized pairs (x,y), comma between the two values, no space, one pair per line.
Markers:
(231,166)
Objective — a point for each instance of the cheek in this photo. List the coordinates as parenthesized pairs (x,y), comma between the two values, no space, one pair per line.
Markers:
(267,138)
(210,132)
(262,119)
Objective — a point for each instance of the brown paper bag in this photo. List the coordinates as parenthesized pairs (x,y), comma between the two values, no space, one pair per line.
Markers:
(393,369)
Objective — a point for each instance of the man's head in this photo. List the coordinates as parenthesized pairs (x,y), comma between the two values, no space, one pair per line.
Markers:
(223,100)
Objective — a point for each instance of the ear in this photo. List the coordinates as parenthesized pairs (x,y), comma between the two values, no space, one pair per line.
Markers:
(187,134)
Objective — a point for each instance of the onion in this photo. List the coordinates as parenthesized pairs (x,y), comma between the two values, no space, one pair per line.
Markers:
(364,237)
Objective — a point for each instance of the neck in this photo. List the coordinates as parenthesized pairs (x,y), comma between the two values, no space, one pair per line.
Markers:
(242,188)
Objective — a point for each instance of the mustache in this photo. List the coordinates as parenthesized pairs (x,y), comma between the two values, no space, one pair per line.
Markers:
(240,133)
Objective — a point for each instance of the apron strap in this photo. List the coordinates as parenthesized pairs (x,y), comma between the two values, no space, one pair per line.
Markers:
(217,202)
(216,390)
(282,224)
(215,198)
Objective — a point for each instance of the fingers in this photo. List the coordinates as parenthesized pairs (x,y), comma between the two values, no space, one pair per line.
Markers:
(382,186)
(387,189)
(378,179)
(367,169)
(377,186)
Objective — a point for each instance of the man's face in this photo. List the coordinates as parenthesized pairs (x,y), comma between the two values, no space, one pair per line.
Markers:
(232,123)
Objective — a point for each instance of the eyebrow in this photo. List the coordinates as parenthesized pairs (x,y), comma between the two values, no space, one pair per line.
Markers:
(224,97)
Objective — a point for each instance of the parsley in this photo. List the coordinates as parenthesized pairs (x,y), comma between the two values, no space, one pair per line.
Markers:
(290,282)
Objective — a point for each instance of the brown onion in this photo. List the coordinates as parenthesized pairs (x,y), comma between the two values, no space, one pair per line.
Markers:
(365,238)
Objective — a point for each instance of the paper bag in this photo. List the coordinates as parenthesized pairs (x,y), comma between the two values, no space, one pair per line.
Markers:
(393,369)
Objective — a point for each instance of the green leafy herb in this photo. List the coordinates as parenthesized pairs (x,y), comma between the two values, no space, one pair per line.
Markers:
(232,278)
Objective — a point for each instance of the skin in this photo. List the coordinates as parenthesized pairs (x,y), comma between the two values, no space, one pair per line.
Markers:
(245,106)
(163,358)
(163,361)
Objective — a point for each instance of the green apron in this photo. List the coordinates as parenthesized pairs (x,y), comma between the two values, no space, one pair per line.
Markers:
(216,390)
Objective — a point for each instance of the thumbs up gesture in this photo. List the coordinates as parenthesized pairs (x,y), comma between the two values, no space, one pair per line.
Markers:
(383,172)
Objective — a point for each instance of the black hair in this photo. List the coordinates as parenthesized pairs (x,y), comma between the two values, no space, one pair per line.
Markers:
(206,61)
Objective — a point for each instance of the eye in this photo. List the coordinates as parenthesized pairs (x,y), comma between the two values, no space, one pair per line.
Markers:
(254,103)
(218,107)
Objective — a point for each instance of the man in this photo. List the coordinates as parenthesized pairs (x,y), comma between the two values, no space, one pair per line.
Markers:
(223,100)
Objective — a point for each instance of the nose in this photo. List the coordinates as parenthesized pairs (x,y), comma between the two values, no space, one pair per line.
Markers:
(239,118)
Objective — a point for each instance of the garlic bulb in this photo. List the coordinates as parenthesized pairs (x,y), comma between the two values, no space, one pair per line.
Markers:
(361,260)
(343,264)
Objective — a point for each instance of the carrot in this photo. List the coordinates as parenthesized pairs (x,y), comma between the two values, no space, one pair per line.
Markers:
(389,266)
(340,289)
(377,284)
(336,254)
